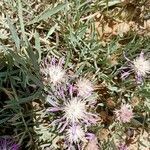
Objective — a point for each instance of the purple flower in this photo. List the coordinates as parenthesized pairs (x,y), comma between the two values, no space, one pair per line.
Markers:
(6,143)
(70,107)
(75,134)
(140,66)
(72,114)
(124,114)
(52,71)
(73,111)
(85,87)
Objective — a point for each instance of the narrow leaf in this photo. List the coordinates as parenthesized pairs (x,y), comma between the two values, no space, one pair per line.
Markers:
(14,33)
(21,21)
(47,13)
(38,46)
(51,30)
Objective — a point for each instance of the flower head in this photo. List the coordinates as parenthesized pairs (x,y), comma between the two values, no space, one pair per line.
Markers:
(141,65)
(6,143)
(85,87)
(75,110)
(124,114)
(75,134)
(73,115)
(56,74)
(53,72)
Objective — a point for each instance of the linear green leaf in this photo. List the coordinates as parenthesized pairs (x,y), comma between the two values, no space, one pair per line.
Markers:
(37,45)
(14,33)
(21,21)
(51,31)
(47,13)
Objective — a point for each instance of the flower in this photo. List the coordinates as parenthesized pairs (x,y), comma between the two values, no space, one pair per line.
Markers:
(75,134)
(140,66)
(54,73)
(124,114)
(73,111)
(122,147)
(85,87)
(72,114)
(6,143)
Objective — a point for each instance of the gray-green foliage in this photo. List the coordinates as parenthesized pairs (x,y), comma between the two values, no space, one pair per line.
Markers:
(30,31)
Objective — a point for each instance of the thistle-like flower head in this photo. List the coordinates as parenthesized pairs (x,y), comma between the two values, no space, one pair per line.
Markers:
(74,115)
(75,134)
(53,72)
(141,65)
(56,74)
(75,110)
(124,114)
(85,87)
